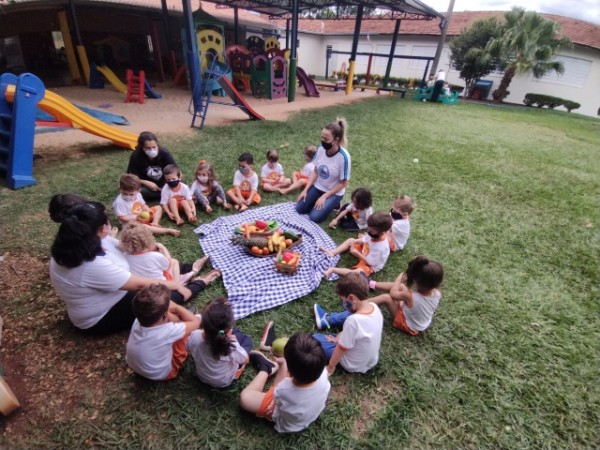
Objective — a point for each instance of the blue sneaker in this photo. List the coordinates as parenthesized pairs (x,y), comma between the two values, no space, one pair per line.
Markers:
(320,317)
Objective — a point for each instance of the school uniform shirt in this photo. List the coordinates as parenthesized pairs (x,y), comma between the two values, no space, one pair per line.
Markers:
(360,215)
(331,169)
(297,406)
(400,233)
(122,207)
(216,372)
(148,264)
(181,192)
(150,169)
(361,338)
(110,245)
(203,189)
(308,169)
(246,184)
(376,252)
(419,317)
(271,174)
(150,349)
(89,290)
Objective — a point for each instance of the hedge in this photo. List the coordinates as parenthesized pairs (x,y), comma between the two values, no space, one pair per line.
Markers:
(551,102)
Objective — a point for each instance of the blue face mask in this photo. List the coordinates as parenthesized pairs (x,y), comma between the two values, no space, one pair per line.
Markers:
(348,306)
(244,170)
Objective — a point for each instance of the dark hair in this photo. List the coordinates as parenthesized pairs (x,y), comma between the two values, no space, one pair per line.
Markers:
(129,182)
(339,130)
(305,357)
(151,303)
(217,320)
(362,198)
(145,136)
(247,158)
(61,203)
(77,239)
(353,283)
(310,151)
(170,169)
(381,221)
(426,274)
(272,155)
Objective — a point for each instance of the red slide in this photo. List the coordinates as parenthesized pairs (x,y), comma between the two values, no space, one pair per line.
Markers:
(309,85)
(238,99)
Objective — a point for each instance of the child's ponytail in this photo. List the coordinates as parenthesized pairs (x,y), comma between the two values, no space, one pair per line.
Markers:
(426,274)
(217,320)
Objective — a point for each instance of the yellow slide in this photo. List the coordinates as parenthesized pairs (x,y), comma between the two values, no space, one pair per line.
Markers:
(64,111)
(112,79)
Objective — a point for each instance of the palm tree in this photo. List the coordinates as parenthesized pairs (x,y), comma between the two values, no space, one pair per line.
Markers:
(528,45)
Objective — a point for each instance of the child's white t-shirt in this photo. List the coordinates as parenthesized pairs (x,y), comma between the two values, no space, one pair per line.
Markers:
(204,189)
(148,264)
(246,184)
(400,233)
(360,215)
(182,192)
(376,252)
(271,174)
(216,372)
(419,317)
(150,349)
(123,207)
(308,169)
(331,169)
(110,245)
(296,407)
(361,338)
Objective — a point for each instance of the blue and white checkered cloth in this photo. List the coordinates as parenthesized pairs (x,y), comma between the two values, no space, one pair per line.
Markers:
(252,283)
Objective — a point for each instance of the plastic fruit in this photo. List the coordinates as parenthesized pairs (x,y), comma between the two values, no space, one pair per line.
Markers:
(260,224)
(278,346)
(265,251)
(287,256)
(288,242)
(144,215)
(256,250)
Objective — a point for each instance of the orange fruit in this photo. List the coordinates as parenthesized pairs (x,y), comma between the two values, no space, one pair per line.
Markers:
(288,242)
(265,251)
(256,250)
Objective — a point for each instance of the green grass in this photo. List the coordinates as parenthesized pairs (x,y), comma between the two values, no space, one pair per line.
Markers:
(508,201)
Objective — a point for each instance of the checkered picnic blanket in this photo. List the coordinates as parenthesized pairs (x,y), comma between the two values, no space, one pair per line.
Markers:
(252,283)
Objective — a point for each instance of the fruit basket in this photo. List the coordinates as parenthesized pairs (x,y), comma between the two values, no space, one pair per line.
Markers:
(257,228)
(287,262)
(267,246)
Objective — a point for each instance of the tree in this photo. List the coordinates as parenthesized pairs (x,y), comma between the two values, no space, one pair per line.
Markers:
(468,52)
(528,45)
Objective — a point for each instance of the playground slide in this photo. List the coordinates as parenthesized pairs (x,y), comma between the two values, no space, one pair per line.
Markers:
(309,85)
(230,89)
(64,111)
(150,93)
(112,79)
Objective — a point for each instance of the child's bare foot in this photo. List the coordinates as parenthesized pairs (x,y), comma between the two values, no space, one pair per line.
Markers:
(179,221)
(237,207)
(226,206)
(173,232)
(209,277)
(193,220)
(208,209)
(327,252)
(328,273)
(199,263)
(243,208)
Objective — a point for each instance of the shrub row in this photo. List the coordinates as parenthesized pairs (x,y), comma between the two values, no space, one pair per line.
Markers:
(539,101)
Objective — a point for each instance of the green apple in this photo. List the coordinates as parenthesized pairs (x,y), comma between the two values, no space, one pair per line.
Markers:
(144,215)
(278,346)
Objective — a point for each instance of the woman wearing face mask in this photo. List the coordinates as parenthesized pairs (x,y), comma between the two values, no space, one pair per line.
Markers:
(326,186)
(147,162)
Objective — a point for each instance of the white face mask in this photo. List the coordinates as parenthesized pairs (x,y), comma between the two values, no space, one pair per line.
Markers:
(128,197)
(151,152)
(202,179)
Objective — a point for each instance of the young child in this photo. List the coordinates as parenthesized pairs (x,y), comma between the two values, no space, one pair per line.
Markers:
(206,190)
(356,348)
(414,296)
(176,196)
(402,208)
(147,258)
(219,350)
(300,389)
(353,216)
(272,177)
(300,177)
(156,344)
(371,250)
(245,184)
(129,205)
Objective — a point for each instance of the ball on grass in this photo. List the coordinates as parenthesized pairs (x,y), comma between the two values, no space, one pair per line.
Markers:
(278,346)
(415,160)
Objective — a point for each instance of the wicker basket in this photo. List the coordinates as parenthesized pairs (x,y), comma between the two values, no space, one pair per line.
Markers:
(282,267)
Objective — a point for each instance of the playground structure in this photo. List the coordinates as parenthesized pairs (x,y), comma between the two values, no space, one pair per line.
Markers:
(20,98)
(425,94)
(100,73)
(269,76)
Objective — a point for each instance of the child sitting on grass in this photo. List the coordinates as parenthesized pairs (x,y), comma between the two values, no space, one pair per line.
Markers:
(206,190)
(402,208)
(272,177)
(356,348)
(176,196)
(353,216)
(300,177)
(156,344)
(219,350)
(414,296)
(371,250)
(300,389)
(130,206)
(245,184)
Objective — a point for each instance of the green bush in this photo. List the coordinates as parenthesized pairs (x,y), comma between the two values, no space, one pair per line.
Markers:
(540,100)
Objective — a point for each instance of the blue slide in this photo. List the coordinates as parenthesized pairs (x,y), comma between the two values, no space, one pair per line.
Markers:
(150,93)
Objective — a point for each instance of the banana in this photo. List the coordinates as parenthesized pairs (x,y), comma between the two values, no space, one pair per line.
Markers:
(282,245)
(270,245)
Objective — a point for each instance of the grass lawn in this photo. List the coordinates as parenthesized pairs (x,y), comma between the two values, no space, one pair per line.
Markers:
(507,200)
